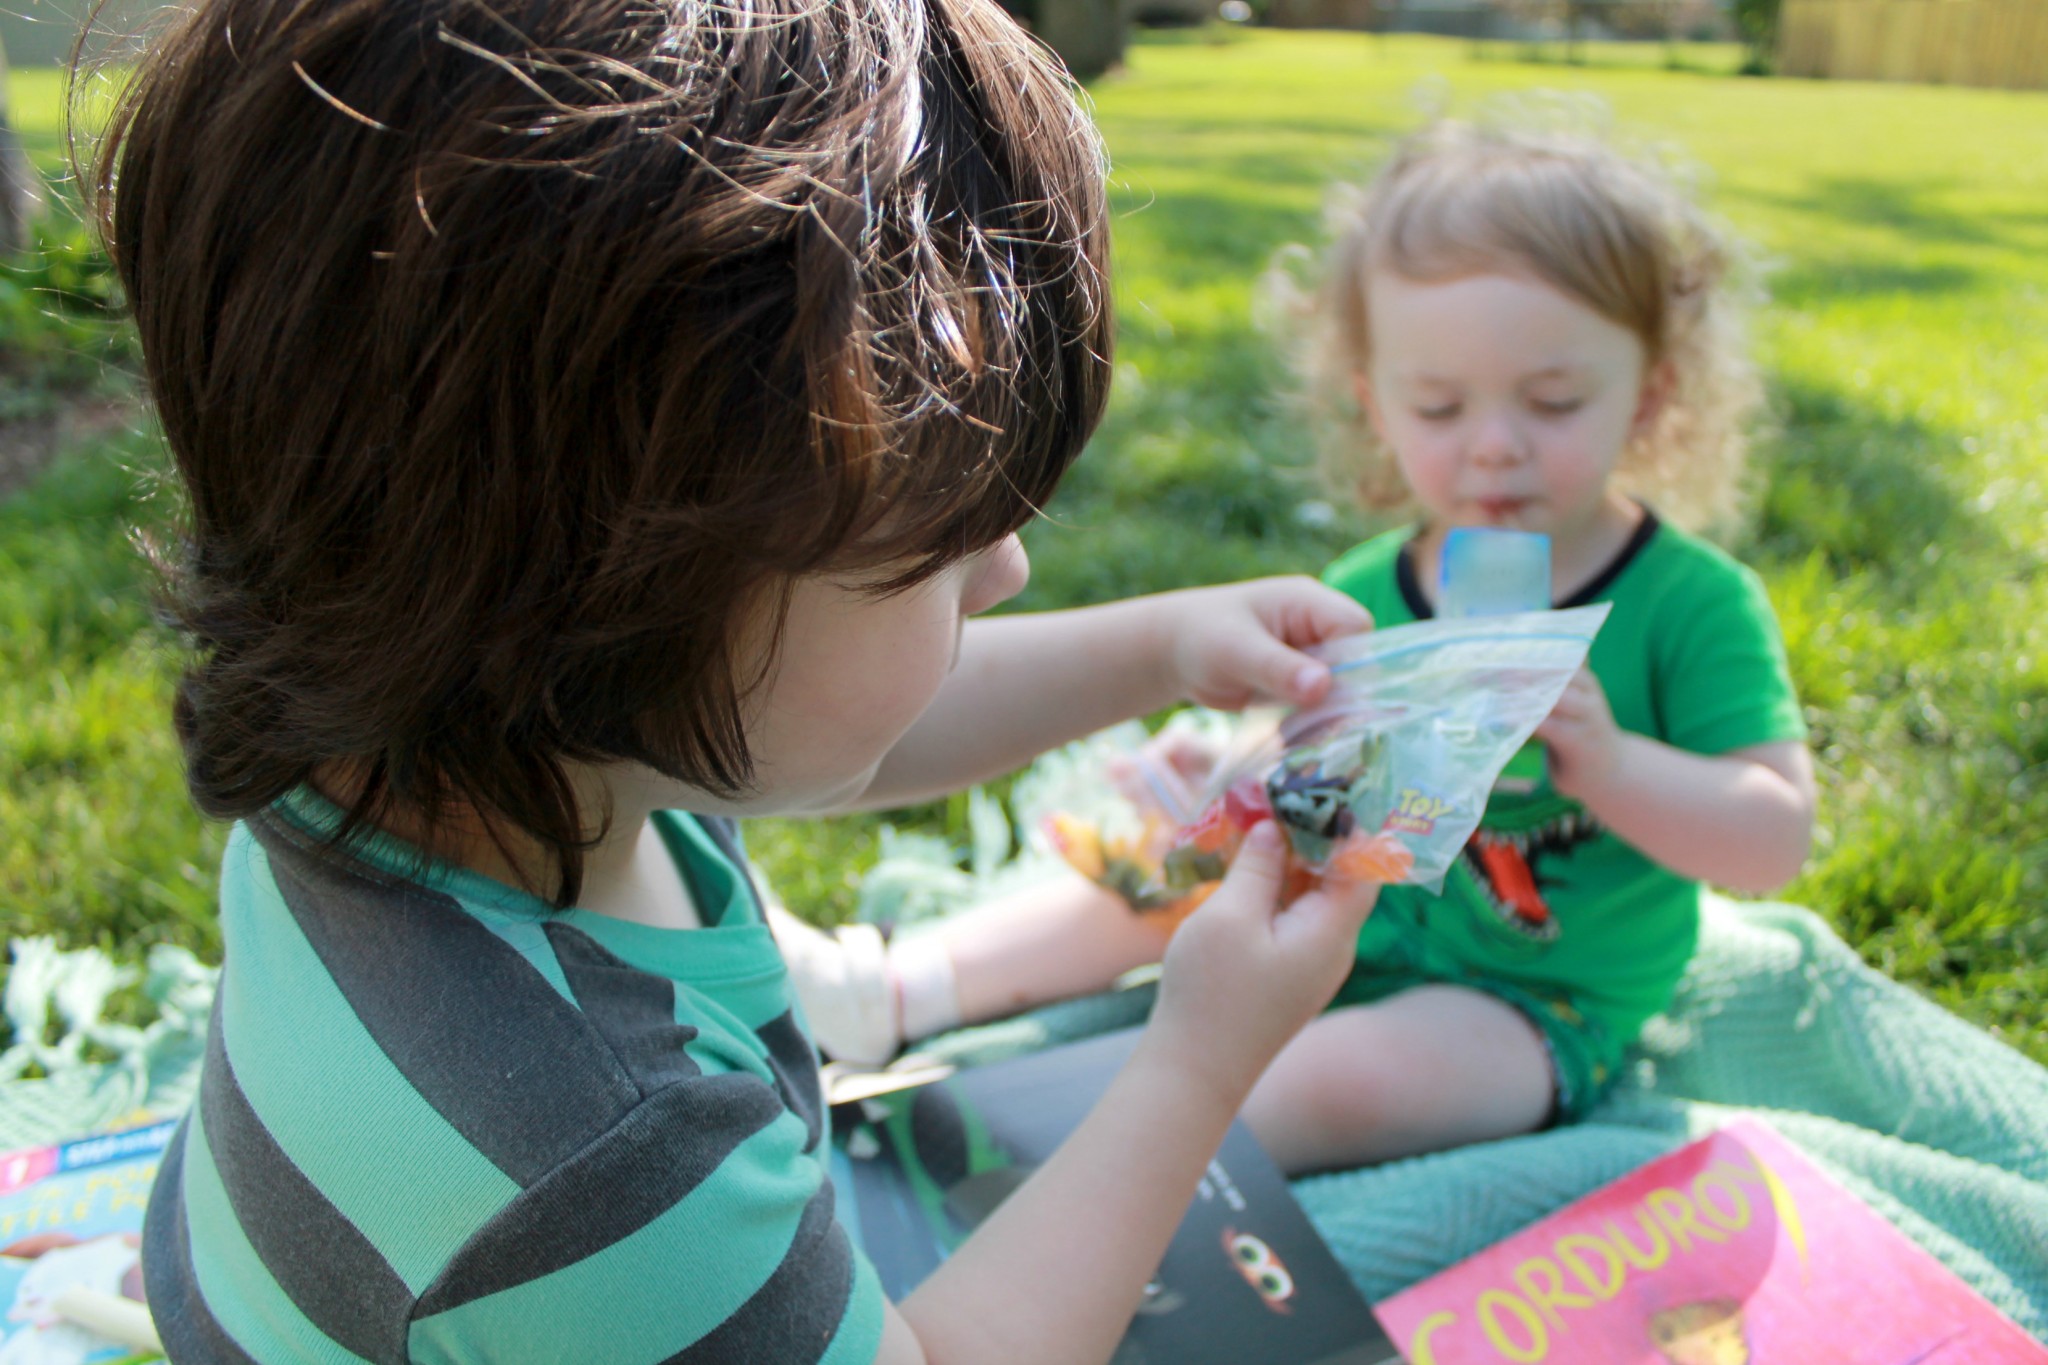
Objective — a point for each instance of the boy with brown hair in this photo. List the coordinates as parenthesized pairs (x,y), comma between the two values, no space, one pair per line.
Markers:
(594,411)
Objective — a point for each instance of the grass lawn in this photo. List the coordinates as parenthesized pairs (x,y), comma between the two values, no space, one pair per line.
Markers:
(1897,518)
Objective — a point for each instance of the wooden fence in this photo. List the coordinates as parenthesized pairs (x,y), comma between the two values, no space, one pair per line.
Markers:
(1956,42)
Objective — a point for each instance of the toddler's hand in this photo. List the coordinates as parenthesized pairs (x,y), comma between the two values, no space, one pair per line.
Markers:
(1584,741)
(1167,774)
(1244,974)
(1232,645)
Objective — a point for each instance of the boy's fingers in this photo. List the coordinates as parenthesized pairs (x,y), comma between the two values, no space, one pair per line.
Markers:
(1286,674)
(1186,756)
(1313,613)
(1342,898)
(1256,873)
(1353,900)
(1302,611)
(1326,921)
(1329,615)
(1187,753)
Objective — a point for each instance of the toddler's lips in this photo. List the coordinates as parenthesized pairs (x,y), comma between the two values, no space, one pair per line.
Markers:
(1501,509)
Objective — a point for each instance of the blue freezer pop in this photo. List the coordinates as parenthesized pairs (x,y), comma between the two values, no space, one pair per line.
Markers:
(1489,572)
(1485,571)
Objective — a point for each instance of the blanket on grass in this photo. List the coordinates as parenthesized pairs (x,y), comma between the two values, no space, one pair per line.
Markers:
(1937,1125)
(1940,1127)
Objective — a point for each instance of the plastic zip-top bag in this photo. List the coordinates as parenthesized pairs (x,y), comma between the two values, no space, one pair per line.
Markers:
(1386,779)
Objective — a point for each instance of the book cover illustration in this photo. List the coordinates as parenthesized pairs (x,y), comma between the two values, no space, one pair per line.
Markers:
(1732,1250)
(1246,1278)
(70,1245)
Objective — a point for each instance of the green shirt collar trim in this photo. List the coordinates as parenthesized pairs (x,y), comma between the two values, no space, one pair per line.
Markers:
(719,888)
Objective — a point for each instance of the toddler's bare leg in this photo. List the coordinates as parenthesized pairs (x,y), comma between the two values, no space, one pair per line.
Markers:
(1064,938)
(1430,1068)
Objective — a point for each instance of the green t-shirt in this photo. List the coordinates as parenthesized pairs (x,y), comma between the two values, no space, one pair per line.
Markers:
(1544,896)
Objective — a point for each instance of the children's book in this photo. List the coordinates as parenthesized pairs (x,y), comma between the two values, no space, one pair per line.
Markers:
(920,1159)
(1733,1250)
(70,1248)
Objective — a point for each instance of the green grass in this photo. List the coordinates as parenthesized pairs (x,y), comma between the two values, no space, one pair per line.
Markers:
(1899,519)
(35,102)
(102,845)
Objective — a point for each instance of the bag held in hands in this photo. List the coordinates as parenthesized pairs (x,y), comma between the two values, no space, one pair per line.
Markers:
(1385,780)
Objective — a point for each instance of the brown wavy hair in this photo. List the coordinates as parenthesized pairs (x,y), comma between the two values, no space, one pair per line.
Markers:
(513,355)
(1526,192)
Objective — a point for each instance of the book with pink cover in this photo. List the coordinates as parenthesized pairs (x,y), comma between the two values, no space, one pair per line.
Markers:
(1733,1250)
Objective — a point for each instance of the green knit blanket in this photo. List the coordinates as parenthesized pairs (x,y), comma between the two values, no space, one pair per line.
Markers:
(1938,1126)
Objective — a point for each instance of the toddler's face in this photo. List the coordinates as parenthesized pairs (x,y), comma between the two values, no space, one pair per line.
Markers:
(854,671)
(1506,402)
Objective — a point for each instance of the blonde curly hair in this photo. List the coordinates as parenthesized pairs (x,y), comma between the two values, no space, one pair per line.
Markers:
(1611,230)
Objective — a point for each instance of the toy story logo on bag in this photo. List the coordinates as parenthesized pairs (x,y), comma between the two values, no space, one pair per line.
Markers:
(1733,1250)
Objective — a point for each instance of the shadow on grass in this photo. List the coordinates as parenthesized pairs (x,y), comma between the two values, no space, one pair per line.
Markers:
(1200,478)
(1816,283)
(1354,128)
(1866,491)
(1906,207)
(1645,55)
(1179,239)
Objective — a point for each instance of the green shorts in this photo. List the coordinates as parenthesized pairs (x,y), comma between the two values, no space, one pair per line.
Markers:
(1585,1052)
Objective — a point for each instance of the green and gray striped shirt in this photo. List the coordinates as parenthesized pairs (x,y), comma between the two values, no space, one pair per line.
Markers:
(440,1122)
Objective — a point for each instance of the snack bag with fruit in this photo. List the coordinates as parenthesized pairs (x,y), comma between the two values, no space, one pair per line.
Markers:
(1384,780)
(1119,799)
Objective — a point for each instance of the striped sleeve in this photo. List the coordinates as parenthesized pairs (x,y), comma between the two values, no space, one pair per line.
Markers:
(735,1254)
(411,1145)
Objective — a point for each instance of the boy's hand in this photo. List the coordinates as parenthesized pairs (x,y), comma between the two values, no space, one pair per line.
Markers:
(1585,744)
(1232,645)
(1243,974)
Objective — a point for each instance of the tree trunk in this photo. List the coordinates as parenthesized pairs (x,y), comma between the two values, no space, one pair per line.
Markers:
(21,190)
(1088,34)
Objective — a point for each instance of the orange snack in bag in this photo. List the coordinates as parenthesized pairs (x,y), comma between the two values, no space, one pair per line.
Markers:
(1372,858)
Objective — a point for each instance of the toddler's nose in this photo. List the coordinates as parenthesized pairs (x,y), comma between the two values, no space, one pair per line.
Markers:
(1496,442)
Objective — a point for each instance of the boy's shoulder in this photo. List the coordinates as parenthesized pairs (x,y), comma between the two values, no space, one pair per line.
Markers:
(588,1135)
